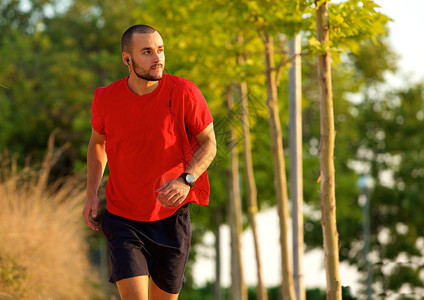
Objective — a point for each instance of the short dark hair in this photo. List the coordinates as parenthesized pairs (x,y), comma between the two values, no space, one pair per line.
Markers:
(128,34)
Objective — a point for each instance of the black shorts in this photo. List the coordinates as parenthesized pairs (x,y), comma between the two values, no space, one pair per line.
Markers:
(159,249)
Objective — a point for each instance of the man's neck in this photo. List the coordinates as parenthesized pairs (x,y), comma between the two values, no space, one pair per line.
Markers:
(141,86)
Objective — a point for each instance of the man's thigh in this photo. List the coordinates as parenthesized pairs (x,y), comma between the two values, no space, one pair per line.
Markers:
(137,288)
(134,288)
(155,293)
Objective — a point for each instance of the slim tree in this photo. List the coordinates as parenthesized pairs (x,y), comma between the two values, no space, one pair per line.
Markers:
(327,198)
(280,180)
(252,192)
(238,287)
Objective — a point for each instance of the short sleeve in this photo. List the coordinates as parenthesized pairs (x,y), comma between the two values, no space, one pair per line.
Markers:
(97,120)
(197,115)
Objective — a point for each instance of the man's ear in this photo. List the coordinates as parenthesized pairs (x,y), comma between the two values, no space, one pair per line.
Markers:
(126,58)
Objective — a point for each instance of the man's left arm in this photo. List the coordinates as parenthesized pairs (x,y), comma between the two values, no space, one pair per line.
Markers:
(174,192)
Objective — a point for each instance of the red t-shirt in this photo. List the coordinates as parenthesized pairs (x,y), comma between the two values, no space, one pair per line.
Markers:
(145,143)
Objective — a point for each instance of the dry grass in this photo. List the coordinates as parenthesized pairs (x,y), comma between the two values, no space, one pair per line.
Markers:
(43,249)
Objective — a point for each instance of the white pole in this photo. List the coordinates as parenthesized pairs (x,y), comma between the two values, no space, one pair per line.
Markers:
(296,174)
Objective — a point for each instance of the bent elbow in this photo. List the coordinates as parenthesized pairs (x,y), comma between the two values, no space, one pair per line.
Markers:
(214,151)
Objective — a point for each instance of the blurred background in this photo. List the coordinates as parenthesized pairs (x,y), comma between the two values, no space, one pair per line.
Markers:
(55,53)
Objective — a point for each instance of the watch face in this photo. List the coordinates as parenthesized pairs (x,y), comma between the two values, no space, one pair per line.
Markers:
(190,179)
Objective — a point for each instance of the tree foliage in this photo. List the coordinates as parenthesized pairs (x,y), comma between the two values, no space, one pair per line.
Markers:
(391,149)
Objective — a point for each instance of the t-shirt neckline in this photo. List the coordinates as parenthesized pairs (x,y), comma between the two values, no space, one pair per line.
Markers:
(146,96)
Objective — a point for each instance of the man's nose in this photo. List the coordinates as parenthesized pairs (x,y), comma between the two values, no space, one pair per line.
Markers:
(157,57)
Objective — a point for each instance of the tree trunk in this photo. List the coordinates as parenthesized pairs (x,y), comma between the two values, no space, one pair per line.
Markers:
(251,188)
(238,287)
(217,287)
(296,172)
(280,180)
(327,197)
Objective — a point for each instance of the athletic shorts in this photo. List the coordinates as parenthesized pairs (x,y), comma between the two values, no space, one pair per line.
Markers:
(159,249)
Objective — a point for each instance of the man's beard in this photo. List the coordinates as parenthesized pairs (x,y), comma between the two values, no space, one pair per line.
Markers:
(145,75)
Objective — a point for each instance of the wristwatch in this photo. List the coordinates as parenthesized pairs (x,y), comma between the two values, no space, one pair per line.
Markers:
(188,179)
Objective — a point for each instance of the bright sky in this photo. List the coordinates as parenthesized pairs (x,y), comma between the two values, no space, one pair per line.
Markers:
(405,34)
(406,39)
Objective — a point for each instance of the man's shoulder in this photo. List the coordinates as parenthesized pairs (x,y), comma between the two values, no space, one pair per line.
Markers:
(182,83)
(116,86)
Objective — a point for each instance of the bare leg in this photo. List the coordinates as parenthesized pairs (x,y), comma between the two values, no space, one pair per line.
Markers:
(134,288)
(155,293)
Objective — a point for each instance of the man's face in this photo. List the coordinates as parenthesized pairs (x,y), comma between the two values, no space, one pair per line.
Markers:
(148,56)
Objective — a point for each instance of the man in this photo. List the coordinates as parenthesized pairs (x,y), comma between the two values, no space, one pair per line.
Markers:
(155,131)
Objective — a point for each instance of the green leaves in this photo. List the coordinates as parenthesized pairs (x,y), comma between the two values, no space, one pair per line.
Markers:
(351,22)
(52,67)
(391,123)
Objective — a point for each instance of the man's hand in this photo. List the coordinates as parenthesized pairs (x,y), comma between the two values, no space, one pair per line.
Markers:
(90,212)
(173,192)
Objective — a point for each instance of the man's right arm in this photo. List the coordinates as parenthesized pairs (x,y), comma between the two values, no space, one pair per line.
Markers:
(96,164)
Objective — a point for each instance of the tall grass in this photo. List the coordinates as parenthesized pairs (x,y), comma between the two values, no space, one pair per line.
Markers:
(43,249)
